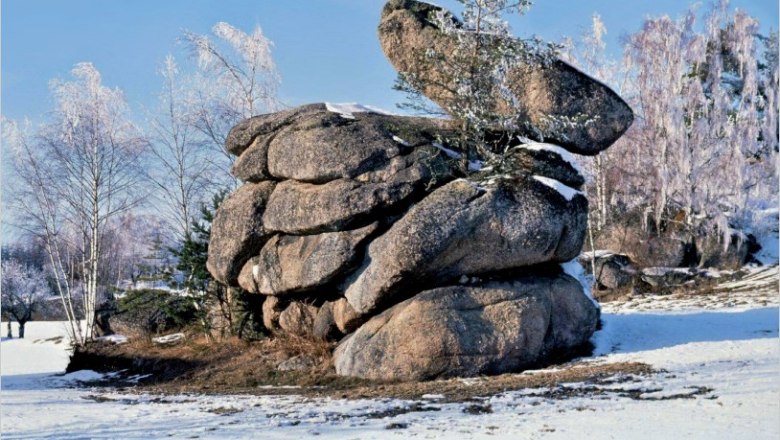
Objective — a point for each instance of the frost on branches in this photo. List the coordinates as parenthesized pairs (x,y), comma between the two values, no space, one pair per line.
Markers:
(237,78)
(703,149)
(22,289)
(74,176)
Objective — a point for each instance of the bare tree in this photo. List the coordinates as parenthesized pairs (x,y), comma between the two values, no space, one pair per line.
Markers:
(236,79)
(81,171)
(702,149)
(182,167)
(22,290)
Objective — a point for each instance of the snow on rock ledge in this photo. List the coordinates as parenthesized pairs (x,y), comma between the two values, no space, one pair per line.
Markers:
(567,192)
(346,109)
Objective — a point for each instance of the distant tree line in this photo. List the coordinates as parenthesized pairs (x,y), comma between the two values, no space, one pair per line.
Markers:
(702,152)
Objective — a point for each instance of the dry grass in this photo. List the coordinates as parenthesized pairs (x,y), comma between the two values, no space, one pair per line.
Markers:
(234,366)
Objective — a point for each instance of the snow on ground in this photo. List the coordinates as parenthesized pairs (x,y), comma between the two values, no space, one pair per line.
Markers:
(769,249)
(719,378)
(759,288)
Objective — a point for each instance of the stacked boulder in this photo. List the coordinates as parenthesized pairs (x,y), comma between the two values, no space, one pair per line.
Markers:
(361,227)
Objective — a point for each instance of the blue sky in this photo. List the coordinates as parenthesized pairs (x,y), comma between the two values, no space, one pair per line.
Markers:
(325,49)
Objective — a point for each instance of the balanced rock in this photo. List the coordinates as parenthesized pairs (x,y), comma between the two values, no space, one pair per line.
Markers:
(289,264)
(561,103)
(463,229)
(451,331)
(237,232)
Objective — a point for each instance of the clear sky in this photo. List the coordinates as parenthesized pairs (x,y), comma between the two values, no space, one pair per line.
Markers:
(326,50)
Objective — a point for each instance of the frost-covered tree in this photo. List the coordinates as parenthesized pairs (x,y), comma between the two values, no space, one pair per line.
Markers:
(237,79)
(136,246)
(181,168)
(22,290)
(78,172)
(701,110)
(701,153)
(589,54)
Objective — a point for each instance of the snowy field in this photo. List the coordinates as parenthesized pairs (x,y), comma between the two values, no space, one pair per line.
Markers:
(719,379)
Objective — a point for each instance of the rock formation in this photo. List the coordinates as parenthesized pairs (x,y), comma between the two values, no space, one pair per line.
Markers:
(557,100)
(364,228)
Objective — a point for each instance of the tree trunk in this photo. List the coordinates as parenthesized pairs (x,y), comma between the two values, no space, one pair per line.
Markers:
(10,332)
(21,329)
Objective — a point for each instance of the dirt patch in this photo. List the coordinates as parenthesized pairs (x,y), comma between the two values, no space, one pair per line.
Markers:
(235,366)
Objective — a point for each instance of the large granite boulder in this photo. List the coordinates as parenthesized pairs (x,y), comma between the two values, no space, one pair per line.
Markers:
(298,318)
(245,132)
(729,252)
(433,264)
(324,326)
(289,263)
(611,271)
(493,328)
(647,248)
(273,307)
(558,101)
(312,144)
(463,229)
(305,208)
(237,232)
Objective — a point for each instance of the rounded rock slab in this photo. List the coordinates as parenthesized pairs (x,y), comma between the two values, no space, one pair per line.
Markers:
(304,208)
(237,232)
(463,229)
(289,264)
(462,331)
(312,144)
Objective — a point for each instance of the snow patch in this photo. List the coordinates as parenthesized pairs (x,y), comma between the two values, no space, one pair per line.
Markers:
(575,270)
(401,141)
(82,376)
(347,109)
(116,339)
(450,153)
(661,271)
(567,192)
(735,354)
(475,165)
(168,339)
(768,255)
(598,253)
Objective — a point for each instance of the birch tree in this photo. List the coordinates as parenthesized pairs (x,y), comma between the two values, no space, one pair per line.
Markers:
(236,79)
(701,108)
(182,168)
(79,171)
